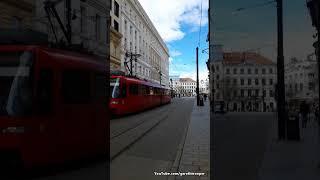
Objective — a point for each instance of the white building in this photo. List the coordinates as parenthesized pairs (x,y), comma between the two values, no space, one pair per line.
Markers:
(141,37)
(89,23)
(188,87)
(204,86)
(301,79)
(244,81)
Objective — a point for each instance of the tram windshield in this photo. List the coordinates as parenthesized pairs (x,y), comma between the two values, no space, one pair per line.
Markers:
(115,87)
(15,83)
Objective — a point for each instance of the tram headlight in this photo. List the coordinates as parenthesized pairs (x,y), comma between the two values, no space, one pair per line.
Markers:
(114,102)
(17,130)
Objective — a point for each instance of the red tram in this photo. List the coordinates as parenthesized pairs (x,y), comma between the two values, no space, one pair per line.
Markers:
(129,95)
(53,106)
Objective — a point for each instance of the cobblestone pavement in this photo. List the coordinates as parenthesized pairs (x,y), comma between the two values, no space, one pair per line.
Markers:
(196,151)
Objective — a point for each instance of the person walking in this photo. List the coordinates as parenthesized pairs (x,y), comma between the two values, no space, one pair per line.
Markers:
(304,111)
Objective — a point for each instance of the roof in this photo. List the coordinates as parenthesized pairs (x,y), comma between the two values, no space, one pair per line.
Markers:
(187,80)
(242,57)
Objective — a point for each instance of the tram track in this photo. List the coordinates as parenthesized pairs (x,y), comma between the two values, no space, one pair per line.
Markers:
(137,120)
(127,137)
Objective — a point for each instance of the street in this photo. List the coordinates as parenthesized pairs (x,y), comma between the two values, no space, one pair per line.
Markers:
(240,141)
(156,150)
(134,140)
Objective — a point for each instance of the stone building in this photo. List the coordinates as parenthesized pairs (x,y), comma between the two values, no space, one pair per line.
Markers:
(301,79)
(141,37)
(244,81)
(188,86)
(17,14)
(115,35)
(89,24)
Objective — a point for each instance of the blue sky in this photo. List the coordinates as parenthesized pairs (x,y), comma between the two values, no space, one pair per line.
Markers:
(254,28)
(178,23)
(257,27)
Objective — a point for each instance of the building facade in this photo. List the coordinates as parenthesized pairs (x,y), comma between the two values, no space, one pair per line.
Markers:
(244,81)
(301,79)
(17,14)
(141,38)
(204,86)
(89,24)
(188,87)
(115,35)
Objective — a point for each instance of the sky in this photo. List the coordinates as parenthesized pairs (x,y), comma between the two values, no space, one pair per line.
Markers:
(254,28)
(178,23)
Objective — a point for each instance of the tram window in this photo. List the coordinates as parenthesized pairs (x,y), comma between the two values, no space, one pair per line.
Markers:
(151,89)
(142,90)
(124,90)
(76,87)
(148,90)
(133,89)
(45,91)
(101,90)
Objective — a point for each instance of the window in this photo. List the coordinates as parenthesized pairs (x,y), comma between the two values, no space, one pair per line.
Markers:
(235,94)
(228,71)
(241,71)
(256,81)
(256,71)
(217,77)
(242,81)
(234,81)
(249,92)
(271,93)
(97,30)
(296,87)
(75,87)
(116,8)
(263,71)
(263,81)
(235,71)
(264,93)
(270,71)
(116,25)
(271,81)
(257,92)
(301,87)
(45,92)
(83,19)
(249,81)
(242,93)
(249,71)
(217,85)
(133,89)
(311,86)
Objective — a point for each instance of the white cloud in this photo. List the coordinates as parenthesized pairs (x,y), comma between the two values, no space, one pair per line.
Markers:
(169,15)
(175,53)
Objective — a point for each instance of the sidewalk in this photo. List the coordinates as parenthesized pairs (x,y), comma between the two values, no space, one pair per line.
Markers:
(294,160)
(196,149)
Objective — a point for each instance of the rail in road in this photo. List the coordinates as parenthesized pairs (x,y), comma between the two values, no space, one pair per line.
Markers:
(124,132)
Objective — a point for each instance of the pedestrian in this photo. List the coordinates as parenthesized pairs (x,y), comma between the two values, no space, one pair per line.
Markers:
(304,111)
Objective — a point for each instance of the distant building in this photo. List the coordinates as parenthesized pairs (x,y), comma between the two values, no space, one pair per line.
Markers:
(188,86)
(204,86)
(301,80)
(244,81)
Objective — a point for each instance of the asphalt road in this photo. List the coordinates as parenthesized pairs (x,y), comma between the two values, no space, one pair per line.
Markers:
(156,151)
(240,141)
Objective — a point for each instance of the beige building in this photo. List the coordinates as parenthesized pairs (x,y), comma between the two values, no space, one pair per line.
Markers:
(244,81)
(141,37)
(115,36)
(17,13)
